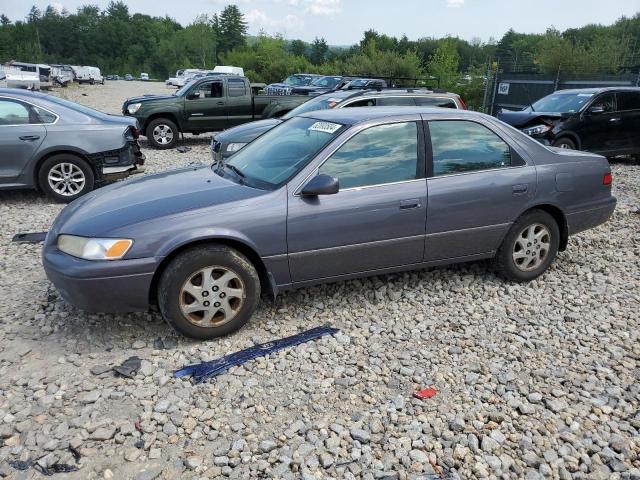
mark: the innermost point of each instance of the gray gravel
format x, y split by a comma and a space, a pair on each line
534, 381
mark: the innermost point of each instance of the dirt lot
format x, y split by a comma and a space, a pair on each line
534, 381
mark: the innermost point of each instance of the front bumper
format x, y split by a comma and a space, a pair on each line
100, 286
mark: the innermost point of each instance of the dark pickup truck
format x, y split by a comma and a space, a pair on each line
207, 104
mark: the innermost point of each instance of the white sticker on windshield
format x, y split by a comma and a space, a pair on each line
325, 127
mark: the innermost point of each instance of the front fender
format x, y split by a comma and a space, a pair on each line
204, 234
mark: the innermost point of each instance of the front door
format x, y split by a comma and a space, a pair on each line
600, 132
376, 220
478, 185
206, 107
20, 137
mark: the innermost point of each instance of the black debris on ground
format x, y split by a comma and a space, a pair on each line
129, 367
33, 237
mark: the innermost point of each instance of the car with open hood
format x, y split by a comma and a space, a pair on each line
600, 120
325, 196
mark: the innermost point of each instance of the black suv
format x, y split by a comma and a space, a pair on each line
599, 120
226, 143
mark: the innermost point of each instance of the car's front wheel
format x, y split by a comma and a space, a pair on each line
208, 291
529, 247
65, 177
565, 143
162, 133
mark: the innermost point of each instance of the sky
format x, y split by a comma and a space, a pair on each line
342, 22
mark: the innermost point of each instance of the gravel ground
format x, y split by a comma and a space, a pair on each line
534, 381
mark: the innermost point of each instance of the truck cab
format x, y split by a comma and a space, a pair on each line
206, 104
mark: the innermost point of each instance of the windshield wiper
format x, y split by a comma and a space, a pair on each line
241, 176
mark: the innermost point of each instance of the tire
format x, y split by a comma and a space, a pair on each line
162, 134
565, 142
514, 261
187, 272
65, 177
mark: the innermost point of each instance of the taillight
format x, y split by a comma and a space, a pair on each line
607, 179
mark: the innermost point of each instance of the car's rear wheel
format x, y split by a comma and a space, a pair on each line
566, 143
65, 177
529, 247
209, 291
162, 133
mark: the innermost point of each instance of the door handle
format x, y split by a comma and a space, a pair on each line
409, 204
520, 188
29, 138
220, 103
616, 119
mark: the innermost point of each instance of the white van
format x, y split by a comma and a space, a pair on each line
86, 74
229, 70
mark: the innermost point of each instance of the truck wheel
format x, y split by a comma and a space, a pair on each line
565, 143
65, 177
162, 133
529, 248
208, 291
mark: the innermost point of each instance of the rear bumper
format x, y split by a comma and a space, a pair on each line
113, 164
110, 287
592, 217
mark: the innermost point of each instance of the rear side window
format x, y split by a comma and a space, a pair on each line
461, 146
375, 156
13, 113
44, 115
368, 102
628, 101
237, 87
396, 102
435, 102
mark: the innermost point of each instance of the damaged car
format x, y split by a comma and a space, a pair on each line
326, 196
62, 148
600, 120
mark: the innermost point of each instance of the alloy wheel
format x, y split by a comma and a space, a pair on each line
212, 296
531, 247
66, 179
163, 134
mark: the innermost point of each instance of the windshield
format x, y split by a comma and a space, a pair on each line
326, 82
183, 90
296, 80
561, 103
273, 158
318, 103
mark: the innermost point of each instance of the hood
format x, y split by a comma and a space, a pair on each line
310, 89
150, 197
521, 119
148, 98
247, 132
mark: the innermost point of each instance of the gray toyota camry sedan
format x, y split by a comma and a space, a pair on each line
325, 196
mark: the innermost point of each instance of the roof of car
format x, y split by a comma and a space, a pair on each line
352, 116
21, 92
385, 92
599, 89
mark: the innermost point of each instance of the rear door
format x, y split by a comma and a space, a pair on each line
239, 105
21, 134
628, 104
206, 107
478, 185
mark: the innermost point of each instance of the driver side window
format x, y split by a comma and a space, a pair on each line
606, 101
210, 90
375, 156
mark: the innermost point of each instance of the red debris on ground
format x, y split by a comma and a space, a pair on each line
425, 393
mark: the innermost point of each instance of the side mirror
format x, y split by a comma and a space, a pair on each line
193, 95
321, 185
596, 110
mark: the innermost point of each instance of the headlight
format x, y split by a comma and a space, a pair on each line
234, 147
94, 248
537, 130
133, 108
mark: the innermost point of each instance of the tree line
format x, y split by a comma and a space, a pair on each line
120, 42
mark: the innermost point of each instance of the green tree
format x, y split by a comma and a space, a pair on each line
319, 50
444, 64
232, 29
298, 48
